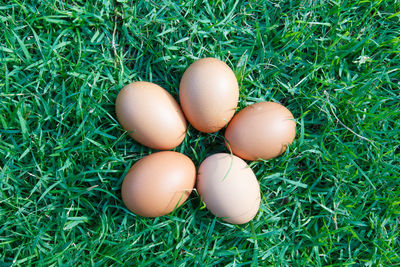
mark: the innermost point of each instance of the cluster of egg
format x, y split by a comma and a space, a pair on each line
159, 183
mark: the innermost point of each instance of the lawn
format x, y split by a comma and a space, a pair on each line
332, 199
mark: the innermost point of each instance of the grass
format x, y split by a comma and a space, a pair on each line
332, 199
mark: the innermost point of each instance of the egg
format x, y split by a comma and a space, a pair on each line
229, 188
158, 183
150, 115
261, 131
209, 94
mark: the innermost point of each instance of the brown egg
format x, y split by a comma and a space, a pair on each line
150, 115
158, 183
229, 188
209, 94
261, 131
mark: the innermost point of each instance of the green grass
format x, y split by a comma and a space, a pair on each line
332, 199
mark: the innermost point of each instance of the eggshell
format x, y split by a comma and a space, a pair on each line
209, 94
158, 183
261, 131
150, 115
229, 188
